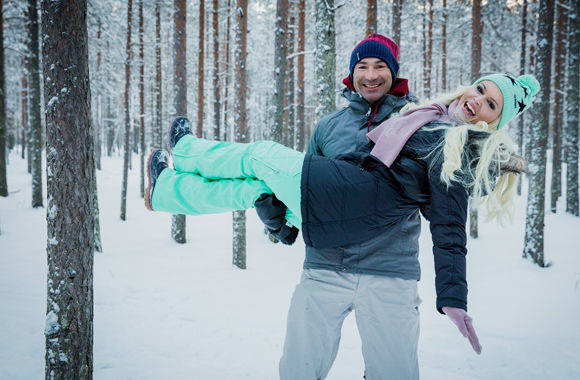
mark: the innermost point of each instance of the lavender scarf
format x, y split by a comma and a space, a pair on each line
392, 134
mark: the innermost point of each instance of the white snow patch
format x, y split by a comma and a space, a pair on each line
52, 325
52, 101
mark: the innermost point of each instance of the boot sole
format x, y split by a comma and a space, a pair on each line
148, 192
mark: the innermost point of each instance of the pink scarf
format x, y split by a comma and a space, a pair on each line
392, 134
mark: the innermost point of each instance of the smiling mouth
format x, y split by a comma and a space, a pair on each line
469, 110
371, 85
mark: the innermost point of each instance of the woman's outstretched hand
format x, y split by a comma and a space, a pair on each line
464, 324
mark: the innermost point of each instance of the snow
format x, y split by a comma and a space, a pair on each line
165, 310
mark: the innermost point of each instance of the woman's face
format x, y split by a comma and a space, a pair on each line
480, 102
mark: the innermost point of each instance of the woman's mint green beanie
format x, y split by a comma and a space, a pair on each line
517, 93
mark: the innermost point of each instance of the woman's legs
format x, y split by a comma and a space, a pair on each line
276, 165
191, 194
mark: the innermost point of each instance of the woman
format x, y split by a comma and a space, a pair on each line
429, 158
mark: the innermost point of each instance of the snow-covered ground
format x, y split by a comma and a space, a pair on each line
170, 311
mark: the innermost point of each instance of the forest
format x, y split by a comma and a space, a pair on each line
86, 86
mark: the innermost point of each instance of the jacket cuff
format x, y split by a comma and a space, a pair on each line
450, 302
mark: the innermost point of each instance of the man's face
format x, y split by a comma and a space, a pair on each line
372, 79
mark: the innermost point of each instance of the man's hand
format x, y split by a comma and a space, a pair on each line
464, 324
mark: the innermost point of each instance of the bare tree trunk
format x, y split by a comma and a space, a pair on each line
157, 125
240, 121
69, 314
521, 122
34, 92
476, 33
141, 102
558, 101
444, 48
573, 114
534, 236
201, 69
98, 111
429, 66
289, 102
127, 152
216, 68
25, 127
3, 179
397, 14
226, 112
371, 17
280, 57
325, 57
180, 92
300, 123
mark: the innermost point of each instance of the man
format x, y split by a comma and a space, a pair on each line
376, 279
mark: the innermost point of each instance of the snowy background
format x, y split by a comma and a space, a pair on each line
164, 310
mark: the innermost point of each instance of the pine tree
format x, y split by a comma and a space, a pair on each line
325, 57
240, 120
397, 15
300, 122
444, 46
34, 97
216, 69
201, 69
141, 103
127, 150
69, 315
280, 57
534, 235
371, 17
3, 180
573, 122
521, 121
180, 92
158, 90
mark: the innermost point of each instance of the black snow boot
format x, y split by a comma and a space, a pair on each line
158, 160
179, 128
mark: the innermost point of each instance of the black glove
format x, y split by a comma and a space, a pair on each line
272, 212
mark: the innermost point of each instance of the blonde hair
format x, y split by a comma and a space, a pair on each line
498, 195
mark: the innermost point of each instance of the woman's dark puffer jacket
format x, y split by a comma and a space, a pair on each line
354, 197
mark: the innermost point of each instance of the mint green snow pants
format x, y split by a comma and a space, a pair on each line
212, 177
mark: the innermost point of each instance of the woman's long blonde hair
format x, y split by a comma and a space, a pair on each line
497, 195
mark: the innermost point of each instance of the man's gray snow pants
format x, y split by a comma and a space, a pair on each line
387, 316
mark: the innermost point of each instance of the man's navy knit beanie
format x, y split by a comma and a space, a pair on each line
377, 46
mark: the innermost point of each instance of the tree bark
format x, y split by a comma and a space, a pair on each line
558, 101
228, 135
157, 139
300, 122
289, 102
34, 96
141, 103
444, 48
201, 69
397, 14
216, 68
127, 151
3, 179
280, 57
325, 57
476, 33
521, 122
69, 315
240, 121
24, 105
534, 235
180, 92
572, 111
371, 17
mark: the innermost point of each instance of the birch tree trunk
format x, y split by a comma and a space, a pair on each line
69, 314
572, 110
180, 92
127, 150
34, 97
141, 104
280, 52
325, 57
534, 235
240, 121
